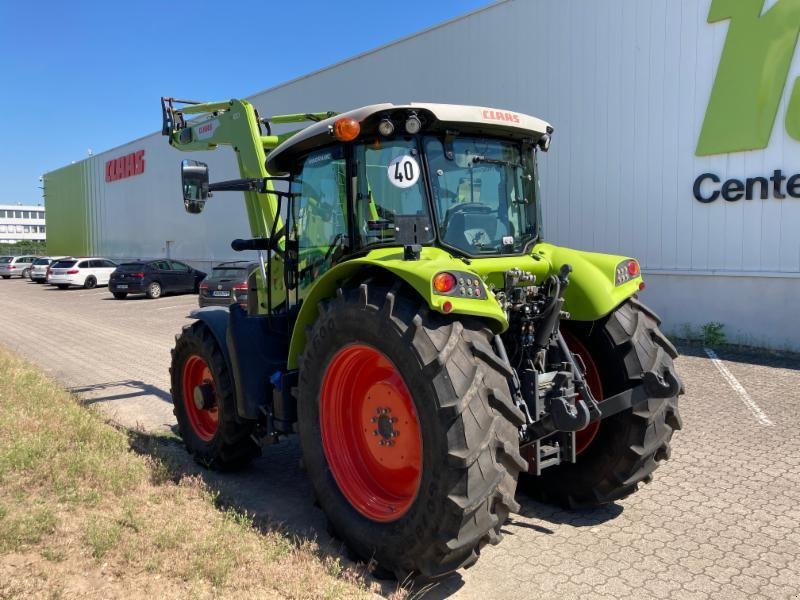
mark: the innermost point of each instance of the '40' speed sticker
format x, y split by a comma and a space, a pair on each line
403, 171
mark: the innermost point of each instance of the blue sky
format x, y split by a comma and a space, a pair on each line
89, 74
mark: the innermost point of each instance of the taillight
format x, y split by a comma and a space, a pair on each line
12, 267
240, 287
626, 270
444, 282
73, 272
139, 275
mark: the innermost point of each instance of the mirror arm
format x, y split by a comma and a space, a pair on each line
237, 185
250, 185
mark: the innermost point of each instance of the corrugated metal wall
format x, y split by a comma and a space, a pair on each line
624, 82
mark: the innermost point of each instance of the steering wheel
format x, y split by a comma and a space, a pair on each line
466, 207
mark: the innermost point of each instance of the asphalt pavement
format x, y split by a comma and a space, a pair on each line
721, 519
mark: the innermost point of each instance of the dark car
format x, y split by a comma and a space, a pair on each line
227, 284
154, 278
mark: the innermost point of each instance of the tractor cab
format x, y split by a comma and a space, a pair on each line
459, 177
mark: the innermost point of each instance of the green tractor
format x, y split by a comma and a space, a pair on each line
411, 325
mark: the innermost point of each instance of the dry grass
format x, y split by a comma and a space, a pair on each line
81, 514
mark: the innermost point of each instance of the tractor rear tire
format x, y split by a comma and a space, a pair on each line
458, 409
207, 416
630, 445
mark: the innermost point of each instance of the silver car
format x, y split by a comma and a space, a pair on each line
41, 266
16, 266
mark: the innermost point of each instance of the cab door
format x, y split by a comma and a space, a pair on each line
317, 224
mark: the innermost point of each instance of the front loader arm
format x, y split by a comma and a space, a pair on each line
233, 123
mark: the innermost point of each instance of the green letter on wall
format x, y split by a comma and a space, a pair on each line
751, 76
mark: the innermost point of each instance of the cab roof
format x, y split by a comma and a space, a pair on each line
435, 118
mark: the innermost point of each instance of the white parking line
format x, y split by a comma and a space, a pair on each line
174, 306
759, 414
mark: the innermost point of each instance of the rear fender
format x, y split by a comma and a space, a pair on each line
592, 292
418, 274
216, 317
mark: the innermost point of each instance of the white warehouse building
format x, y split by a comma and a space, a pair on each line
677, 139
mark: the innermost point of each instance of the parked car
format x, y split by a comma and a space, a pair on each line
40, 267
226, 285
86, 272
154, 278
15, 266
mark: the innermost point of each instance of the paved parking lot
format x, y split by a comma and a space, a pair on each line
720, 520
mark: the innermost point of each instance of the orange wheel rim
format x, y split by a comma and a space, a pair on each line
200, 397
371, 433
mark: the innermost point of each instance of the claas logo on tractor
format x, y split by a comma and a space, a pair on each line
405, 292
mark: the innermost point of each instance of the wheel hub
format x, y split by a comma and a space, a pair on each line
203, 397
385, 429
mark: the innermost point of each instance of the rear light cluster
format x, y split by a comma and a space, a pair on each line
467, 285
626, 270
73, 272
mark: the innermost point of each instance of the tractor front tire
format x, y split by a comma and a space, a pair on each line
204, 402
409, 434
627, 447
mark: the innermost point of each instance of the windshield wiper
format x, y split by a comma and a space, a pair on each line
496, 161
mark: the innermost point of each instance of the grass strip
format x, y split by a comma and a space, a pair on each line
82, 514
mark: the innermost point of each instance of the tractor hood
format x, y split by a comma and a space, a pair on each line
477, 120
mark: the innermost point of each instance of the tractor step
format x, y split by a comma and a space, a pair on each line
549, 452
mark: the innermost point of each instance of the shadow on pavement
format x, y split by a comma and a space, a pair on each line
138, 388
532, 509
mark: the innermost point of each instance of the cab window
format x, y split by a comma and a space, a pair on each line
390, 205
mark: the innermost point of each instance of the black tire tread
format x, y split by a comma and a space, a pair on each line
232, 448
632, 335
475, 412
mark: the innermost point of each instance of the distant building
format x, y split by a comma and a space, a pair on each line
20, 222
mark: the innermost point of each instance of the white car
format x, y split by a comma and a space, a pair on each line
85, 272
40, 267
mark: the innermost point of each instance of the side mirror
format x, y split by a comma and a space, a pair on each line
194, 182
